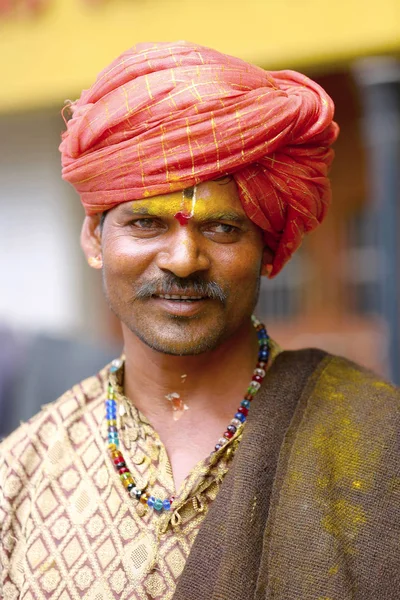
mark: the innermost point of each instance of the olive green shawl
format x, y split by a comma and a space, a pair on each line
310, 509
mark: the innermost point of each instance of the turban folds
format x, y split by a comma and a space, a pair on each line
167, 116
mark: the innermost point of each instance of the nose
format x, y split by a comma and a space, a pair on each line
184, 253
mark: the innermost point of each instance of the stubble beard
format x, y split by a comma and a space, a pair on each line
178, 338
179, 335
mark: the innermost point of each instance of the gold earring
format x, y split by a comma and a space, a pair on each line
95, 261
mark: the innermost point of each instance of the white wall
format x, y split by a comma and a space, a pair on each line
43, 278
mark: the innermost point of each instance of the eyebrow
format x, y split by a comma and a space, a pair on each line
216, 216
142, 210
224, 216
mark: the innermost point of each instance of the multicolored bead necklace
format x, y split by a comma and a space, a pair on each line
238, 420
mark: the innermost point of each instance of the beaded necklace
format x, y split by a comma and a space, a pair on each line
238, 420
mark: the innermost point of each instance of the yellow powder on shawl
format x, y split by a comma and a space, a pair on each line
348, 462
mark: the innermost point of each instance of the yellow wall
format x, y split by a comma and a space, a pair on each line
53, 56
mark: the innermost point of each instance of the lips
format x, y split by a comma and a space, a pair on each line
179, 298
180, 305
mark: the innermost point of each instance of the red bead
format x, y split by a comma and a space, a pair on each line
243, 410
257, 378
123, 470
249, 397
228, 435
260, 327
119, 459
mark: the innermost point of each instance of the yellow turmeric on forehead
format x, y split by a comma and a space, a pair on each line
209, 199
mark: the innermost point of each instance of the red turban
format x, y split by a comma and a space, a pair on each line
167, 116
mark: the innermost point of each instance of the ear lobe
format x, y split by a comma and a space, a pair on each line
91, 238
268, 259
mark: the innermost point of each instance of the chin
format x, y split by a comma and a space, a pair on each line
178, 341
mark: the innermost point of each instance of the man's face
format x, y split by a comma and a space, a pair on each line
182, 286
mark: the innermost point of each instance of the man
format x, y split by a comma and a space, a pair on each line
205, 463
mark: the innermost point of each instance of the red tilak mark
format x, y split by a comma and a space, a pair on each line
182, 218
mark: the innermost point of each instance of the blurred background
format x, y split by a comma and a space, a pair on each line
340, 292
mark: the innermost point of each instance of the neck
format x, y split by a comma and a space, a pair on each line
211, 385
204, 382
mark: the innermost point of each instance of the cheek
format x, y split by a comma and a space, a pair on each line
240, 268
122, 255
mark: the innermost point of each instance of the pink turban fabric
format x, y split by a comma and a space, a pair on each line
167, 116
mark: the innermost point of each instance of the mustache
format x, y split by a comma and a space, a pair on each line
187, 285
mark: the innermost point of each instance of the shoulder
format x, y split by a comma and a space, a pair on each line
340, 379
345, 410
59, 428
351, 417
70, 407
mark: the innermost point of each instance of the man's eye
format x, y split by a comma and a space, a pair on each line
223, 228
144, 223
222, 233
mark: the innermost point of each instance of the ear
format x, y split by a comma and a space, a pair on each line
268, 259
91, 241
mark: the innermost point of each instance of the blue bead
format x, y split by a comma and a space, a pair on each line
167, 505
241, 417
113, 369
111, 403
150, 501
158, 505
245, 403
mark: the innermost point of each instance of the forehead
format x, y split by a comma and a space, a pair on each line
208, 198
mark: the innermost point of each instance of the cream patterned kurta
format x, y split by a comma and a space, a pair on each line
68, 527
